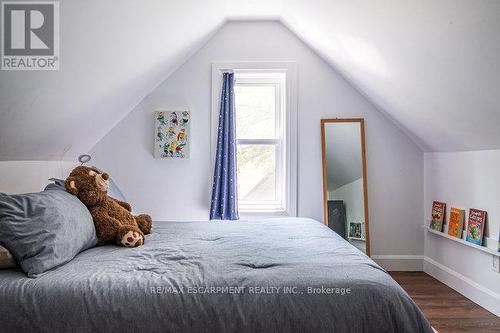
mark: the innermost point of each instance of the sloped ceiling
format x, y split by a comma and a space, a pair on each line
432, 66
113, 53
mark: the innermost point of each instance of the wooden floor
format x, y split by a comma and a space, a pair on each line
446, 309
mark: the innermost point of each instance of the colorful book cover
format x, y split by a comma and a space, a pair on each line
456, 222
475, 226
438, 212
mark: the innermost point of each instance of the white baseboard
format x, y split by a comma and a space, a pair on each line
407, 263
477, 293
485, 297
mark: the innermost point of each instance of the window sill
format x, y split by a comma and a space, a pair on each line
248, 215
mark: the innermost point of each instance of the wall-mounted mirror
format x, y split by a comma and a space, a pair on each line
345, 193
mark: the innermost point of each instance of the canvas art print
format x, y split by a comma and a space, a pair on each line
356, 230
172, 134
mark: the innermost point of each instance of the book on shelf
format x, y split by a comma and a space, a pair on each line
437, 216
475, 226
456, 222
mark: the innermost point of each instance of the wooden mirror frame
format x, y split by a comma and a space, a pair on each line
361, 122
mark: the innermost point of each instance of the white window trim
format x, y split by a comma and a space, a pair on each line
290, 68
278, 80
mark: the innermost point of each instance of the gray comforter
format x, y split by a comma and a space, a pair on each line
277, 275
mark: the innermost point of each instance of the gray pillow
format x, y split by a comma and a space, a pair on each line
45, 230
6, 259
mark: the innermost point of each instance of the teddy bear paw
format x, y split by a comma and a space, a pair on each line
144, 223
132, 239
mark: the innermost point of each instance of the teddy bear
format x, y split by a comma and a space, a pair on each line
112, 218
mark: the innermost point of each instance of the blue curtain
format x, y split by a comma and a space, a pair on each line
224, 205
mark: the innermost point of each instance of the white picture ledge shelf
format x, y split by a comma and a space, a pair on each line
463, 242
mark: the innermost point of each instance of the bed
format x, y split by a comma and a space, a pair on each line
275, 275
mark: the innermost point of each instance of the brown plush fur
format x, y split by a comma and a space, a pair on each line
112, 218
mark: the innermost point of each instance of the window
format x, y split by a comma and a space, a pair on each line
266, 125
260, 102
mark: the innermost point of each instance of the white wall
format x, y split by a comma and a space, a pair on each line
465, 180
31, 176
179, 189
352, 195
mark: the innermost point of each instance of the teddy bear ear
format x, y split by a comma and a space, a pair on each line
70, 186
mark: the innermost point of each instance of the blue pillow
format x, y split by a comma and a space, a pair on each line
113, 190
45, 230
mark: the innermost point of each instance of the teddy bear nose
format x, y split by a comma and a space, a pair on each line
105, 176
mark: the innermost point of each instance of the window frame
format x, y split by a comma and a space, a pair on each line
278, 81
265, 72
